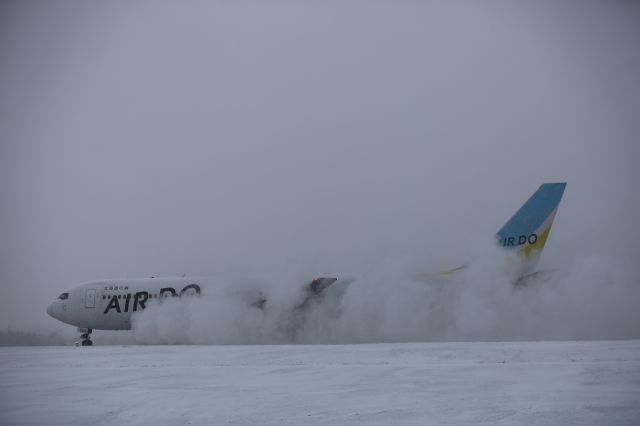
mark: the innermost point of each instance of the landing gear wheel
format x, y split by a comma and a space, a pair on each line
85, 336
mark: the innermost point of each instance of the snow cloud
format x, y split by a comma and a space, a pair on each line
588, 297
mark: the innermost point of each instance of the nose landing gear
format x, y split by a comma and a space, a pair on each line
85, 337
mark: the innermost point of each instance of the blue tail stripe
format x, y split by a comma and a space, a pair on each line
534, 212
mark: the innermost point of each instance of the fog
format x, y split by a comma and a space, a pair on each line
283, 140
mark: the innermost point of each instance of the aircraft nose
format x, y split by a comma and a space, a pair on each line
51, 310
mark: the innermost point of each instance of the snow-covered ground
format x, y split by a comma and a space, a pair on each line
564, 383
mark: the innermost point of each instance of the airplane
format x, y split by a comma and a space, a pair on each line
110, 304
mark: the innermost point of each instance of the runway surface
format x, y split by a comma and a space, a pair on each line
530, 383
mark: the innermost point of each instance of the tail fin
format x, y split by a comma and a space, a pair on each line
527, 231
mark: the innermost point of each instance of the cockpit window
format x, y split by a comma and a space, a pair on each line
63, 296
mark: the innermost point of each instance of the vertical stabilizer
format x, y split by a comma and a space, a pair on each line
527, 230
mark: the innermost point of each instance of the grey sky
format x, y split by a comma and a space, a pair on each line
161, 138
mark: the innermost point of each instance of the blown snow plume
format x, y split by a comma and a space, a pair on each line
590, 297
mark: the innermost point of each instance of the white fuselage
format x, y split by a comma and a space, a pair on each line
109, 305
